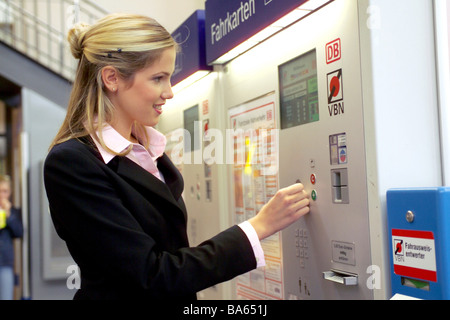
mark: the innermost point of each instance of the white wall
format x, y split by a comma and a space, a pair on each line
401, 108
442, 36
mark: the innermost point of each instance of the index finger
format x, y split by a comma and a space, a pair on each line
295, 188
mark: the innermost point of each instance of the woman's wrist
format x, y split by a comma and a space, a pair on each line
259, 227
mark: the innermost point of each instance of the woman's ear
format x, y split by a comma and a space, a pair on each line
110, 78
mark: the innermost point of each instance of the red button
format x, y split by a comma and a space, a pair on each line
313, 178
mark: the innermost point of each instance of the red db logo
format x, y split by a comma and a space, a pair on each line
333, 51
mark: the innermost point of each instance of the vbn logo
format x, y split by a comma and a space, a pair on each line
333, 51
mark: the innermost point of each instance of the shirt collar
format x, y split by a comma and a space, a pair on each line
117, 143
157, 144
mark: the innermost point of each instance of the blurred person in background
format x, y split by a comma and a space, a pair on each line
10, 227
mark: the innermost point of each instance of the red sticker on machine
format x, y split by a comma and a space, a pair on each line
414, 254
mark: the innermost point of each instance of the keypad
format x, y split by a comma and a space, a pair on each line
301, 245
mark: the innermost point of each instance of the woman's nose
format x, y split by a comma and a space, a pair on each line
168, 93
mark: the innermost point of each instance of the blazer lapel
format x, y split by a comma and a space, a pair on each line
169, 191
172, 177
135, 174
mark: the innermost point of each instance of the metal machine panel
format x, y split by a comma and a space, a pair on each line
317, 81
326, 253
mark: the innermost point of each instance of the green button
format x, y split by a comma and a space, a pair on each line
314, 195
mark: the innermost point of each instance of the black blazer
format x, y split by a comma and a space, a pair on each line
126, 230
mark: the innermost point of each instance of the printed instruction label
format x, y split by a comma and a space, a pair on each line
343, 252
255, 182
414, 254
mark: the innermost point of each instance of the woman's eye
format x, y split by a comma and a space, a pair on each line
157, 79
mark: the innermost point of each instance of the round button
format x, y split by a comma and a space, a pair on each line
410, 216
313, 178
314, 195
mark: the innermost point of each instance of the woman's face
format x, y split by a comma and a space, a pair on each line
5, 191
142, 101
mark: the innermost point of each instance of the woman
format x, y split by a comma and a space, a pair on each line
10, 228
115, 197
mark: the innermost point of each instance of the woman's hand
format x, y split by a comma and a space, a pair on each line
287, 206
6, 205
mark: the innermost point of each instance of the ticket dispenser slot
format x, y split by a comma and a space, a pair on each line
339, 186
345, 278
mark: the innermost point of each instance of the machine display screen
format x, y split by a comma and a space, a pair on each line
191, 118
298, 91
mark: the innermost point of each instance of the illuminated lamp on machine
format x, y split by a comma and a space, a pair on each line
290, 18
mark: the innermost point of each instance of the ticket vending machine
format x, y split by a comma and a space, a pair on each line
334, 87
327, 253
345, 133
329, 128
317, 95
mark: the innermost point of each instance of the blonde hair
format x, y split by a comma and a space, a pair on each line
127, 42
5, 178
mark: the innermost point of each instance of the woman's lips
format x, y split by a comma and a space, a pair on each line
158, 108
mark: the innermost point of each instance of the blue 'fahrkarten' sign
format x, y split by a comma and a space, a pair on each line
230, 22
